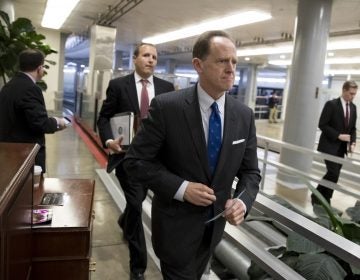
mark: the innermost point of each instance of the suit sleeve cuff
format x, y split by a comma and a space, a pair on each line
243, 204
179, 195
107, 142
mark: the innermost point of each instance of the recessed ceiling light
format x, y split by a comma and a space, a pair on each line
283, 48
261, 50
224, 22
282, 56
331, 54
247, 58
329, 61
57, 12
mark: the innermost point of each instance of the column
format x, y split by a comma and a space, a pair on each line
118, 60
59, 93
306, 75
250, 92
131, 53
170, 65
247, 85
102, 50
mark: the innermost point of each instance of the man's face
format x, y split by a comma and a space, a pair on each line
40, 72
217, 70
146, 61
349, 94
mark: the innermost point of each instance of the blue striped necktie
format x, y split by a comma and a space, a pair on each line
214, 137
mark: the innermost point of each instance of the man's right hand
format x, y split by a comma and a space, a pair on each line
199, 194
115, 145
60, 123
344, 137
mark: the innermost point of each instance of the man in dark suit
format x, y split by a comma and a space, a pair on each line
338, 134
189, 151
126, 94
23, 115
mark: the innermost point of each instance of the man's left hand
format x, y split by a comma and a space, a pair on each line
235, 211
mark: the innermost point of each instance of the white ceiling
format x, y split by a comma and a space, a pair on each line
150, 17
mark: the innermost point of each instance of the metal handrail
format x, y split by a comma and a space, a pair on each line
269, 143
332, 242
307, 151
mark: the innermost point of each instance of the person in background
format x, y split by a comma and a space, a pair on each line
188, 152
132, 93
23, 115
273, 103
338, 134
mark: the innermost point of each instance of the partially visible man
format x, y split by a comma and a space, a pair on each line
132, 93
23, 115
189, 151
273, 103
338, 134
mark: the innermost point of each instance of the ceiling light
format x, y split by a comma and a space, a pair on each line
280, 62
282, 56
331, 54
334, 72
343, 44
224, 22
329, 61
271, 80
247, 58
284, 48
344, 60
56, 13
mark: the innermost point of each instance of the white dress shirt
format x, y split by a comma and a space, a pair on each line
149, 86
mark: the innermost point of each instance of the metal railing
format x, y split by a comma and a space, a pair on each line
269, 144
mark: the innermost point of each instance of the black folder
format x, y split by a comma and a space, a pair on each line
113, 161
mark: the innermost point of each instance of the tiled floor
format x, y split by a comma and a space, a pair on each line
69, 157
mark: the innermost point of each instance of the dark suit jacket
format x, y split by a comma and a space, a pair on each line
23, 116
170, 148
121, 96
332, 123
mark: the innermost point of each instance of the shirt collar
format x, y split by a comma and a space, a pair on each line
206, 100
138, 78
31, 77
343, 102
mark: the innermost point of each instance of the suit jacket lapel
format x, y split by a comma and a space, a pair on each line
352, 114
132, 92
193, 118
157, 85
228, 134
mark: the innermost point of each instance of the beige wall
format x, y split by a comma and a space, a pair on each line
52, 78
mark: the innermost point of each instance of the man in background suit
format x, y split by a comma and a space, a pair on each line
124, 94
23, 115
172, 156
338, 134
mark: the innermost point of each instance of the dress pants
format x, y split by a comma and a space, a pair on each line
332, 174
131, 221
196, 266
273, 115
